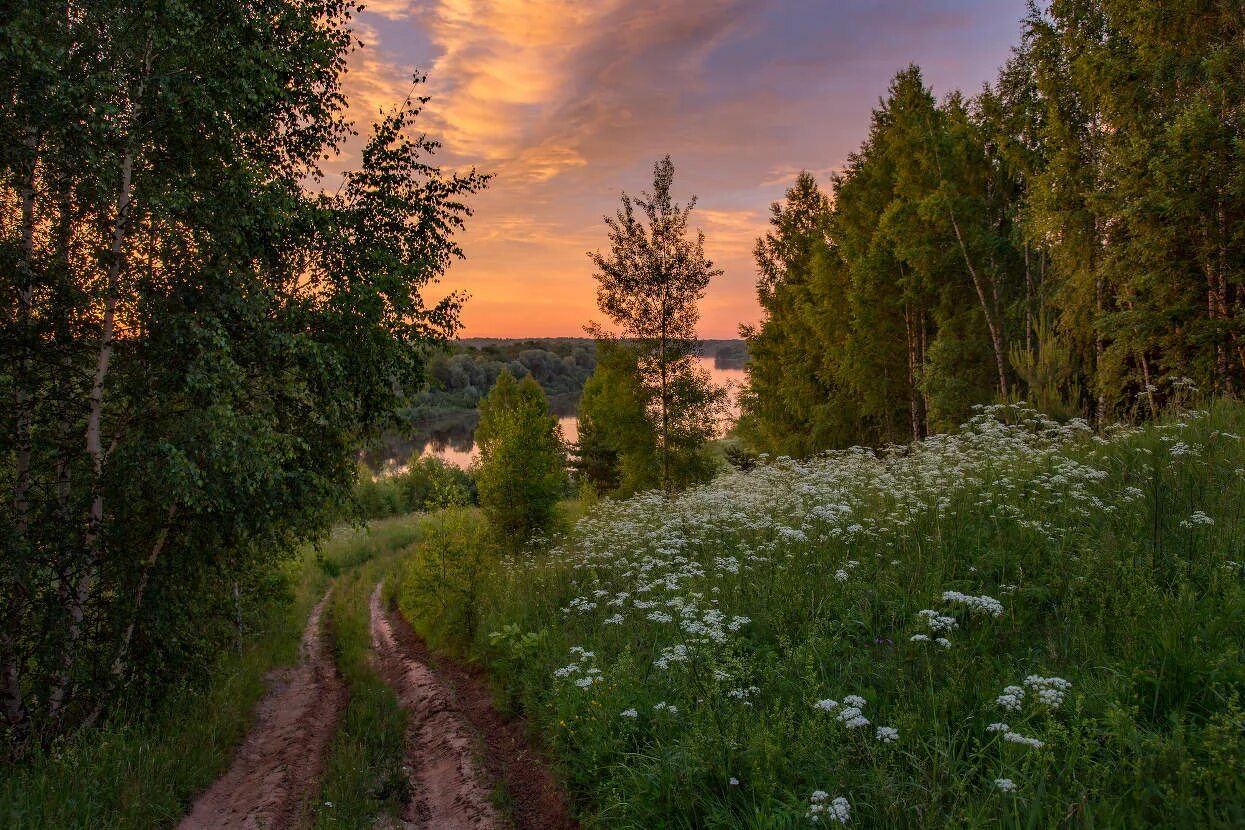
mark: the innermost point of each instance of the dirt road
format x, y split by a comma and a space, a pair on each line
278, 766
440, 751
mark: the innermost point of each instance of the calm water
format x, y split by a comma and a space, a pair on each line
453, 441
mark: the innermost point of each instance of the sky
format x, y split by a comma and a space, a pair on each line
568, 103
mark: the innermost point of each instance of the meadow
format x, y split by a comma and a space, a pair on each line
1021, 624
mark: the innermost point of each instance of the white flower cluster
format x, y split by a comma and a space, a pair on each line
936, 621
1198, 519
1006, 785
1017, 738
743, 693
835, 810
850, 714
676, 653
579, 665
1012, 699
887, 734
1050, 690
978, 605
1014, 737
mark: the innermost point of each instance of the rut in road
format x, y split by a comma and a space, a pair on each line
278, 766
448, 792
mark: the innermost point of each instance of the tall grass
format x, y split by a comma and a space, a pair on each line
848, 628
365, 780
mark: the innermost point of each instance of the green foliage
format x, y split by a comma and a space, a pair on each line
1071, 235
521, 474
649, 285
444, 577
670, 645
617, 448
427, 483
200, 342
461, 375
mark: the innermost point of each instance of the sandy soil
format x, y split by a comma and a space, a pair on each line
457, 738
278, 766
449, 793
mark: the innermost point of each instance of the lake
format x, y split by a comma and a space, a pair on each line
453, 439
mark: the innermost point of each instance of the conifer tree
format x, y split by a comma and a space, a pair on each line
650, 284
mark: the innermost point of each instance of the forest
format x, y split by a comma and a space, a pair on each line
964, 551
1070, 235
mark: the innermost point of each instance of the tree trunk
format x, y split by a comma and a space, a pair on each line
85, 581
15, 710
994, 327
123, 650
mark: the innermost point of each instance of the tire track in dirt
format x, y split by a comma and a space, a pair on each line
453, 724
278, 766
448, 792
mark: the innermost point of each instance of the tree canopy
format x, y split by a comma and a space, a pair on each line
197, 338
1072, 235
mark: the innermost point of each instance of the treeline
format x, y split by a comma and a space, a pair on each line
462, 374
1073, 235
459, 378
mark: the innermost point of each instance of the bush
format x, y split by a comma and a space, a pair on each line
445, 576
522, 470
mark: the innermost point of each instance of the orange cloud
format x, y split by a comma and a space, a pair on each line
568, 102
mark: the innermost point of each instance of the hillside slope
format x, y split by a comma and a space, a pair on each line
1022, 624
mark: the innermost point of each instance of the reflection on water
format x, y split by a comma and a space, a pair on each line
453, 439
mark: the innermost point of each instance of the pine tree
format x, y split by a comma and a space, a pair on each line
650, 284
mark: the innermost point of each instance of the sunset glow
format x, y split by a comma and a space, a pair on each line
569, 103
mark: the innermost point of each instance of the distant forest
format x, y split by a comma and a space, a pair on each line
459, 377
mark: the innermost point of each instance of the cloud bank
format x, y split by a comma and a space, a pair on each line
569, 103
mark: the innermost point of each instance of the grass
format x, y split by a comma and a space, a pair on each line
141, 771
364, 779
692, 660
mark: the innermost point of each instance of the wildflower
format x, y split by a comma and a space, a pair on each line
998, 727
851, 717
1006, 785
887, 734
854, 700
840, 575
734, 782
1198, 519
1012, 698
819, 804
1017, 738
981, 604
1050, 690
617, 619
943, 641
826, 705
630, 713
919, 638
